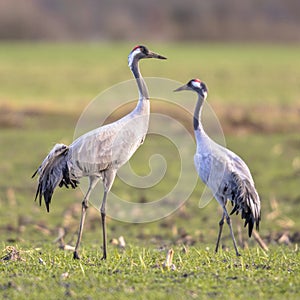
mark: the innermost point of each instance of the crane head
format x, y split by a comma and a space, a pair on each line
195, 85
140, 52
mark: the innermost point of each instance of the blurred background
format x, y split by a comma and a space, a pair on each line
57, 55
215, 20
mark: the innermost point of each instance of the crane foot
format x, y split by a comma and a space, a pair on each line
76, 255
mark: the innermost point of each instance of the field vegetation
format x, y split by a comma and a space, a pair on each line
253, 89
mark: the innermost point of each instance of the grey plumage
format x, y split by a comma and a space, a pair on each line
224, 172
99, 153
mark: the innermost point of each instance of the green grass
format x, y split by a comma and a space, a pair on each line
139, 273
44, 89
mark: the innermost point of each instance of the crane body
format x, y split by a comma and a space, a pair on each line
224, 172
99, 153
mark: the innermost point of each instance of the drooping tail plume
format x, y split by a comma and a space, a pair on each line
52, 172
246, 201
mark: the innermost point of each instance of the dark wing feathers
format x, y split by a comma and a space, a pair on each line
52, 172
246, 201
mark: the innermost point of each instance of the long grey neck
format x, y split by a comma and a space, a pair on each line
197, 114
143, 91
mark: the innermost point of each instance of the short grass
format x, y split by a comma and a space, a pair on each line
139, 273
45, 88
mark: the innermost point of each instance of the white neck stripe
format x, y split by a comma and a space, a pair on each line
132, 55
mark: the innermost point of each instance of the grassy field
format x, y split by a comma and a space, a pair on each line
138, 273
254, 90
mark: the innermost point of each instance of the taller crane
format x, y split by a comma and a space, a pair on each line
99, 153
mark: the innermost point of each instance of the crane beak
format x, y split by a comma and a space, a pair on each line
155, 55
182, 88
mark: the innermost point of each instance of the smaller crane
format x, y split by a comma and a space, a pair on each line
100, 153
224, 172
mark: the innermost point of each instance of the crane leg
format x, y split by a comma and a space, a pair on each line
103, 215
108, 181
83, 214
93, 182
228, 220
220, 232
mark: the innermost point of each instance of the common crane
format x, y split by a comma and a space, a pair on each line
99, 153
224, 172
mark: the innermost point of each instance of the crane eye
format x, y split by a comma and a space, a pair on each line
144, 50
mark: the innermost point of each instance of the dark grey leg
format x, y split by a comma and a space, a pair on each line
220, 232
228, 220
103, 215
93, 182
